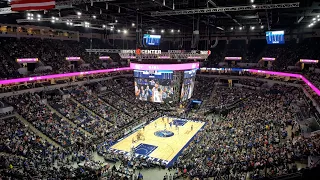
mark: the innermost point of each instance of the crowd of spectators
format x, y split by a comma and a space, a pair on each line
248, 139
31, 107
81, 116
51, 53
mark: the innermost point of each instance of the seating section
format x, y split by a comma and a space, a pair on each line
40, 116
82, 117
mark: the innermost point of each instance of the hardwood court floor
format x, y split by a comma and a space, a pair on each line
166, 147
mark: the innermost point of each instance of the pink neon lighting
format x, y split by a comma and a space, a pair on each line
268, 59
104, 57
27, 60
73, 58
53, 76
233, 58
173, 67
309, 61
315, 89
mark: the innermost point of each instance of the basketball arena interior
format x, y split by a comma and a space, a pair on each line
159, 90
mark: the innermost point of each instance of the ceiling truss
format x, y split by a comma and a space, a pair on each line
225, 9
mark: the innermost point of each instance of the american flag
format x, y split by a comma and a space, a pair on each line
24, 5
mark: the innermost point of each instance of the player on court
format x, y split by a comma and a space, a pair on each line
155, 125
191, 127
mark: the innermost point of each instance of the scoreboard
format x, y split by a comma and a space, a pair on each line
275, 37
163, 74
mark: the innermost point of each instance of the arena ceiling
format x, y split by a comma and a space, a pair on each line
171, 14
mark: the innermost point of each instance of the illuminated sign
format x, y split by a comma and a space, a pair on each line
27, 60
268, 59
309, 61
104, 57
233, 58
73, 58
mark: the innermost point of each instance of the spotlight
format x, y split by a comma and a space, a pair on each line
118, 30
28, 14
231, 28
125, 31
94, 17
104, 26
133, 24
152, 30
172, 30
162, 30
79, 13
39, 16
178, 30
261, 27
318, 16
57, 19
252, 27
38, 19
29, 18
53, 21
116, 21
252, 1
240, 28
254, 6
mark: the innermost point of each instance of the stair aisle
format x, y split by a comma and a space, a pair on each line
70, 122
32, 128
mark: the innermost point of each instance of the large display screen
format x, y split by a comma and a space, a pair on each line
152, 40
187, 89
163, 74
275, 37
154, 90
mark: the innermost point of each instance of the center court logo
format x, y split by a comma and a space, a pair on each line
163, 133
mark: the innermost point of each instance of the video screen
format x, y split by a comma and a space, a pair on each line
154, 90
161, 74
187, 89
190, 74
275, 37
152, 40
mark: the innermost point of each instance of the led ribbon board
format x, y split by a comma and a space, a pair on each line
55, 76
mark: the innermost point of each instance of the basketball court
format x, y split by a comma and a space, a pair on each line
159, 140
